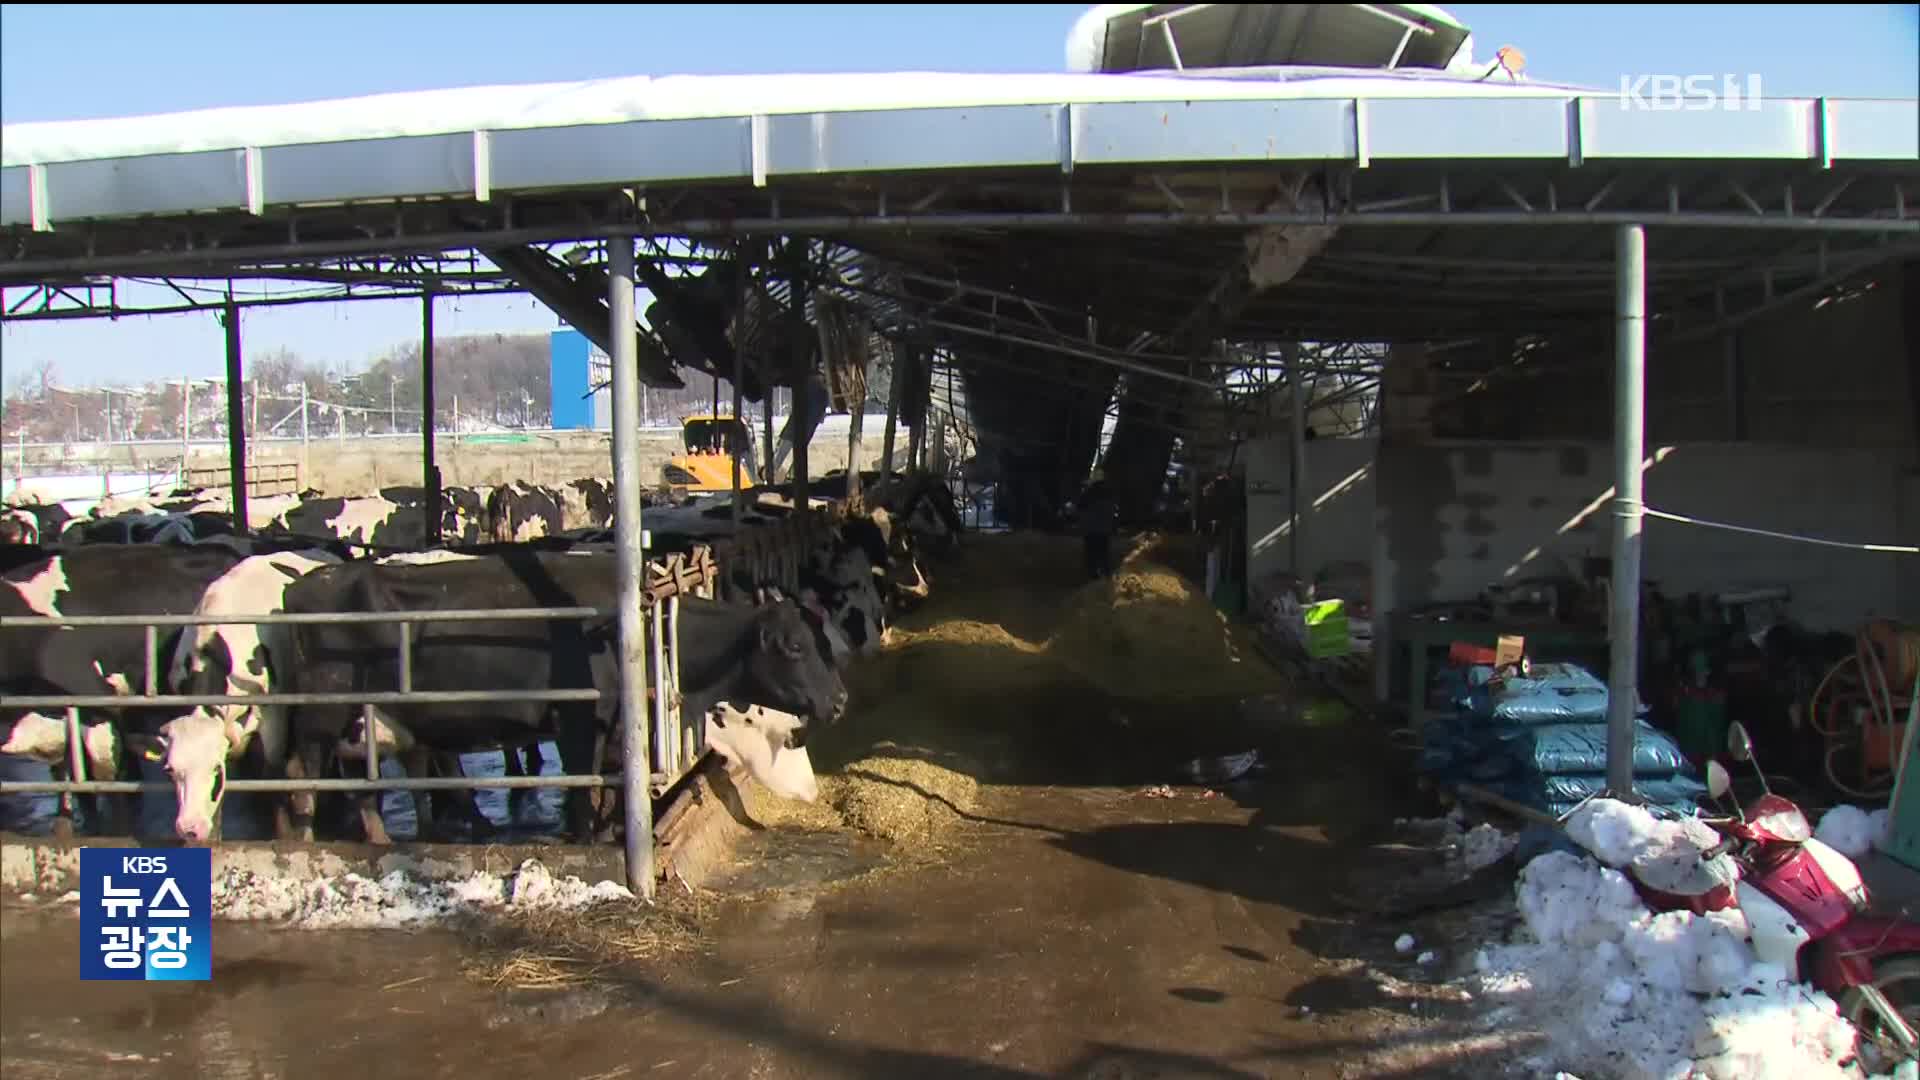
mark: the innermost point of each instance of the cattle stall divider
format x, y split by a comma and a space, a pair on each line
672, 758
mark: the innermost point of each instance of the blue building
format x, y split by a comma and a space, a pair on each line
577, 367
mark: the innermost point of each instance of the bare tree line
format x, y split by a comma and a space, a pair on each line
489, 381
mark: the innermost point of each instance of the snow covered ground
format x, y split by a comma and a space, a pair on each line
352, 902
1616, 991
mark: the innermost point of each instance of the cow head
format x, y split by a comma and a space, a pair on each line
761, 740
19, 527
846, 589
194, 749
785, 668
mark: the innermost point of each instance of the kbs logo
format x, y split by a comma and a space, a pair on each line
1690, 93
146, 914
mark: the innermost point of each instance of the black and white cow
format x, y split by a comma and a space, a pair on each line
587, 503
19, 526
518, 512
375, 521
33, 523
142, 526
463, 510
853, 577
106, 579
232, 659
920, 502
737, 653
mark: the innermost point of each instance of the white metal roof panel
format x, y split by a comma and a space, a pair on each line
678, 97
634, 132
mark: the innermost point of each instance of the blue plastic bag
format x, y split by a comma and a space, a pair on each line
1679, 793
1553, 749
1551, 694
1554, 677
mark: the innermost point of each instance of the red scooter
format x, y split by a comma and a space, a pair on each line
1807, 910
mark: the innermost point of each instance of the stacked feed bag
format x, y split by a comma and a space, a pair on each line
1541, 740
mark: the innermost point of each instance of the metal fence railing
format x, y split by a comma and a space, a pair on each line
673, 749
264, 478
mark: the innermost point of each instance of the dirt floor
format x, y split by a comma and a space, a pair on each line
1069, 916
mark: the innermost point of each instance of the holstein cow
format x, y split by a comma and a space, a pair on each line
129, 527
921, 502
109, 579
587, 503
417, 759
518, 512
368, 522
33, 523
19, 527
463, 510
760, 740
851, 578
728, 652
231, 659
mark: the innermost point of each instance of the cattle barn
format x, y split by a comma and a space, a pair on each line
1141, 268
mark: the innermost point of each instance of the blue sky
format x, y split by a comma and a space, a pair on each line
76, 62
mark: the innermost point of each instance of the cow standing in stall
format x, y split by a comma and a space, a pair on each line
734, 653
518, 512
106, 579
233, 659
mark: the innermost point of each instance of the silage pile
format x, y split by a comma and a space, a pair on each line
1149, 633
905, 795
1146, 633
1620, 992
1010, 655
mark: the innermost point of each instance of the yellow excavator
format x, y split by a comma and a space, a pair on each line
712, 442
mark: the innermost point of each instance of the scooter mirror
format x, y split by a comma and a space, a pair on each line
1718, 782
1738, 744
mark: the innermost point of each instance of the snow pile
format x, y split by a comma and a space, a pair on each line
353, 902
1665, 852
1618, 991
1467, 850
1852, 831
1482, 846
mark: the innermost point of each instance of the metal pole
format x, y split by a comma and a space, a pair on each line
739, 376
186, 429
917, 435
1629, 408
797, 322
429, 470
661, 697
893, 411
1299, 455
766, 477
857, 413
236, 420
626, 521
306, 463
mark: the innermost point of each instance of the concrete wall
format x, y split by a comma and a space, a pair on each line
1443, 521
1340, 489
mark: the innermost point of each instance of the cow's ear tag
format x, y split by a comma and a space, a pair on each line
152, 754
